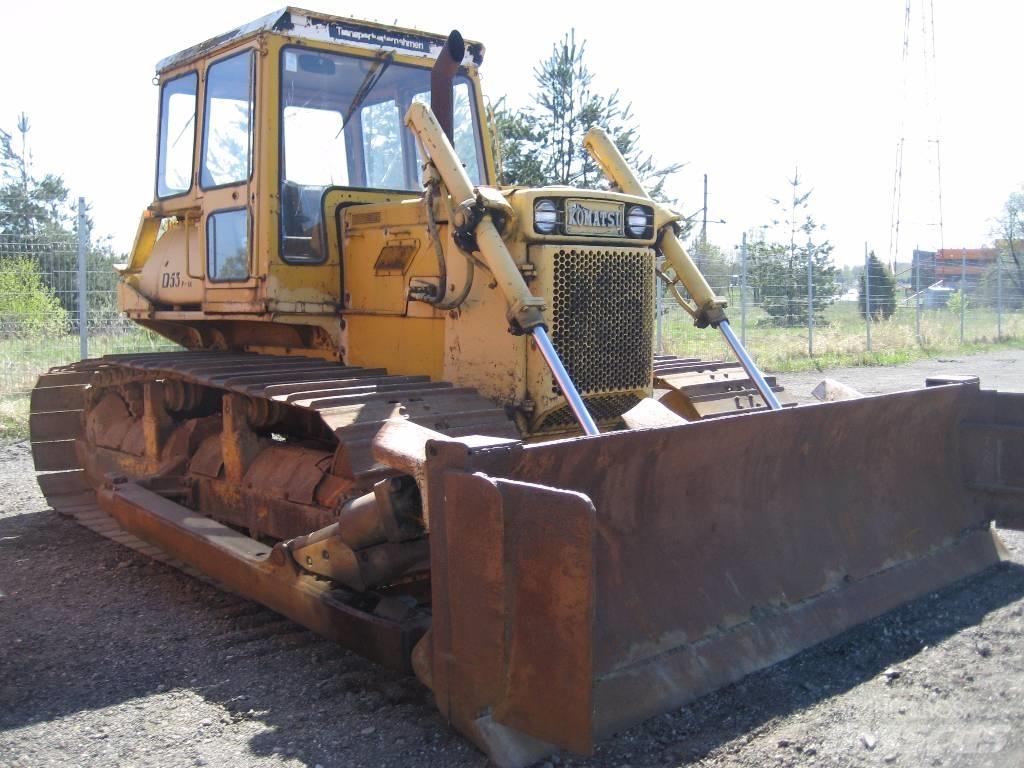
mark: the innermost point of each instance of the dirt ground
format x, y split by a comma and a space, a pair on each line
107, 658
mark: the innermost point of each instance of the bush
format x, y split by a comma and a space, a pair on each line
28, 308
958, 302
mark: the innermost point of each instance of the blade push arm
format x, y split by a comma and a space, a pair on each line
474, 220
709, 309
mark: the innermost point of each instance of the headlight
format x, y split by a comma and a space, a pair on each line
636, 221
545, 216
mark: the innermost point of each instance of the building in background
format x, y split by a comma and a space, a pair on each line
951, 266
936, 274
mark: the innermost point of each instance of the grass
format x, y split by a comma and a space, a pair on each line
14, 417
842, 339
839, 342
23, 359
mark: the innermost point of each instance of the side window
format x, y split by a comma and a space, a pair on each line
227, 129
465, 131
382, 146
465, 144
177, 136
227, 245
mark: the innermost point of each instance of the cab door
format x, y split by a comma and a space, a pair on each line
228, 186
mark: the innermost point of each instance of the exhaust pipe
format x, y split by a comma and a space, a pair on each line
441, 78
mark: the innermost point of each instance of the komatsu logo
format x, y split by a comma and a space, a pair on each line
584, 216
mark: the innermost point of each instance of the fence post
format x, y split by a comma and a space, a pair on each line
743, 290
83, 311
999, 297
810, 301
867, 295
963, 291
917, 295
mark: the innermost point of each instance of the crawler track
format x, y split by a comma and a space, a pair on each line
346, 402
57, 408
351, 402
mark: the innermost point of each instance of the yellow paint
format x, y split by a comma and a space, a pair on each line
615, 167
367, 231
359, 303
403, 345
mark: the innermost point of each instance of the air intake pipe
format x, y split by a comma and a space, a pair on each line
441, 79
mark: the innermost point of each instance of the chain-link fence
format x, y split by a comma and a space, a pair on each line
42, 281
943, 302
953, 302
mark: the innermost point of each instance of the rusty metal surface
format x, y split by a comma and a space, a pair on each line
721, 546
251, 569
512, 580
577, 586
58, 401
993, 457
352, 402
702, 389
783, 506
105, 418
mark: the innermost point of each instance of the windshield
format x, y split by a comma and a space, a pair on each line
342, 126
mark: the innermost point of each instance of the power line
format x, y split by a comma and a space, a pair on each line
897, 182
928, 91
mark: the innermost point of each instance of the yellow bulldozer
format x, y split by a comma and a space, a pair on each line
421, 413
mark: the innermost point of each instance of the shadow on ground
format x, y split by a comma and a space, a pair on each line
87, 625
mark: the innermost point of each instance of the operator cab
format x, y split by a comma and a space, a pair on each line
301, 103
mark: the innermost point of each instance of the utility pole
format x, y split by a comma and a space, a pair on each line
704, 221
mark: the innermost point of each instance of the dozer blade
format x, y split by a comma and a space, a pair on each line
583, 585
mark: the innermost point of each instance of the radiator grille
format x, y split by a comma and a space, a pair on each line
603, 317
604, 409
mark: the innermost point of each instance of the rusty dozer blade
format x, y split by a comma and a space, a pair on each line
583, 585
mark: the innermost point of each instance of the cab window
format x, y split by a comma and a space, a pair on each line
227, 129
227, 245
177, 135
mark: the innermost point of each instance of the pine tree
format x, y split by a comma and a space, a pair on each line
39, 227
543, 143
882, 290
778, 268
29, 206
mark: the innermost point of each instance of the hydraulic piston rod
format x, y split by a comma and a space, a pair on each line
708, 306
748, 365
572, 397
524, 309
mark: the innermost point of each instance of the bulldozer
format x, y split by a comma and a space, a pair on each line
421, 413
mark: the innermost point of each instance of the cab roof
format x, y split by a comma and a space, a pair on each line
308, 25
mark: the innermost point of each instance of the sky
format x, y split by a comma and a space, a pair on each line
745, 92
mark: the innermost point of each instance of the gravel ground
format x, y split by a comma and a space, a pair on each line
1002, 370
107, 658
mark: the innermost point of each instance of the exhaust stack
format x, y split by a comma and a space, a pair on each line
441, 77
